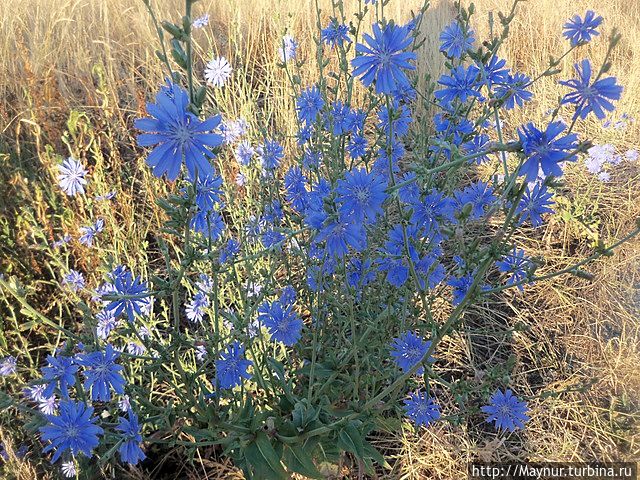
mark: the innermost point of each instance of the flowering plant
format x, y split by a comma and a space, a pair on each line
301, 306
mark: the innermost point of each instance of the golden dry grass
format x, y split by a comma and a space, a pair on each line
97, 56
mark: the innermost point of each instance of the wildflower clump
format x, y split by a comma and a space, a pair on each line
301, 287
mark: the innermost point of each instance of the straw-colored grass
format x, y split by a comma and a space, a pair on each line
97, 57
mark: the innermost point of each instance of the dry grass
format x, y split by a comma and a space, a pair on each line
97, 56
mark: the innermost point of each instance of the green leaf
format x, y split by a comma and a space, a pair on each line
264, 460
371, 452
350, 440
298, 460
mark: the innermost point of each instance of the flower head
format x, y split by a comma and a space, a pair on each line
361, 195
590, 97
270, 153
102, 373
506, 411
107, 322
129, 450
516, 264
383, 60
513, 90
177, 133
244, 153
201, 22
69, 469
232, 367
534, 203
196, 308
408, 350
217, 71
309, 104
135, 295
71, 178
283, 323
578, 30
455, 41
73, 429
88, 233
74, 280
421, 409
8, 366
462, 84
461, 287
60, 372
335, 34
545, 150
340, 234
288, 48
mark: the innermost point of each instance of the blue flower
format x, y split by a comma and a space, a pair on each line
129, 449
283, 323
394, 260
177, 134
338, 118
381, 165
361, 195
8, 366
272, 238
244, 153
506, 411
309, 104
88, 233
71, 178
400, 120
354, 121
295, 185
73, 429
513, 91
229, 251
591, 97
434, 207
340, 234
335, 34
288, 296
455, 41
408, 350
210, 224
545, 150
384, 59
270, 153
516, 264
404, 93
232, 367
196, 308
479, 195
579, 31
462, 84
102, 373
534, 204
208, 192
360, 273
319, 275
421, 409
311, 160
494, 71
461, 287
357, 146
273, 212
60, 373
74, 279
288, 48
477, 146
137, 296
